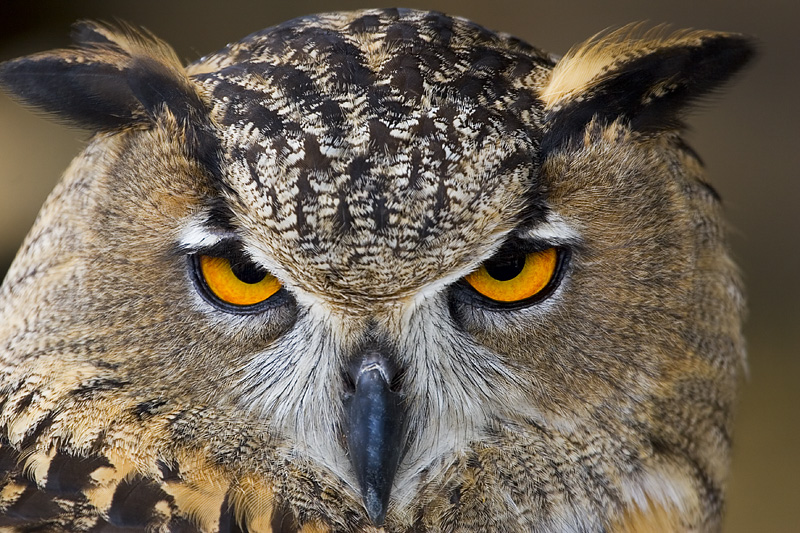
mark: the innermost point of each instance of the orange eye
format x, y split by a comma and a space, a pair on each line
237, 284
515, 278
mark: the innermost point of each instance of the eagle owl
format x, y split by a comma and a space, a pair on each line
373, 271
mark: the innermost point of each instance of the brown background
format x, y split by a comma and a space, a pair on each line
748, 139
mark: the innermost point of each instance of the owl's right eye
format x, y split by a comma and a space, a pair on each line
233, 282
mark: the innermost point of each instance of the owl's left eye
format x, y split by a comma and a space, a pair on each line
233, 282
514, 278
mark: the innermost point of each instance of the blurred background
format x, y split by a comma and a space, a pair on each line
749, 139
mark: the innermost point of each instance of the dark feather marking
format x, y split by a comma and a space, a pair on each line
92, 387
487, 62
104, 527
402, 33
9, 457
269, 41
24, 403
388, 105
7, 520
106, 365
70, 475
99, 442
149, 408
181, 525
33, 504
359, 168
227, 519
406, 76
365, 24
348, 64
314, 159
467, 86
296, 83
134, 503
242, 155
343, 218
415, 178
381, 212
35, 432
521, 68
393, 13
380, 138
332, 116
455, 496
283, 520
7, 390
169, 472
176, 525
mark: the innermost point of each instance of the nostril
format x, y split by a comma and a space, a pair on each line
373, 360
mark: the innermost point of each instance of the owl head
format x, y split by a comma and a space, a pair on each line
439, 272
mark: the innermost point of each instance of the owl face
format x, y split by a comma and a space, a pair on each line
394, 244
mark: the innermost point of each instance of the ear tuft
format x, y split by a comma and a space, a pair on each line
588, 63
646, 78
112, 77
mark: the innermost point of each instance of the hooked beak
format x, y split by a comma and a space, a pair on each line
374, 426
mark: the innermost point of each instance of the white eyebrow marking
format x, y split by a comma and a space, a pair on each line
554, 230
196, 235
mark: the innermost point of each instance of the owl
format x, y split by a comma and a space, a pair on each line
384, 270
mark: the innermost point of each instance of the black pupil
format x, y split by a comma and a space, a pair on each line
505, 268
247, 271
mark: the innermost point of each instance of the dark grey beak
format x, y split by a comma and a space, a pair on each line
374, 426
